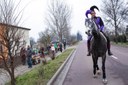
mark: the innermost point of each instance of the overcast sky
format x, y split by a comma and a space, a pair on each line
35, 12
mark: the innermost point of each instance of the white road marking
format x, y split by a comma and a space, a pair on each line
113, 57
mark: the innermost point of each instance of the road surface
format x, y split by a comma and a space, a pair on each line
81, 71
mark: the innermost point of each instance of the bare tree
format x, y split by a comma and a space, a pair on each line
11, 37
73, 40
58, 19
117, 11
32, 41
45, 37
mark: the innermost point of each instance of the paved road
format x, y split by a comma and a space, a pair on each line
80, 72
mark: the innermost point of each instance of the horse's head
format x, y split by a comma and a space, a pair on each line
92, 26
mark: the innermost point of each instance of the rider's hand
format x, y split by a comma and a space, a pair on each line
86, 32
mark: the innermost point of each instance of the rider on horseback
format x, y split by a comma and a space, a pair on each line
100, 25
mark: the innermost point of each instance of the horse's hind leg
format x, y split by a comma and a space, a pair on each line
103, 69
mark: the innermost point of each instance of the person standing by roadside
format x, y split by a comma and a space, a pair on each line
42, 55
23, 55
53, 51
55, 45
61, 49
64, 43
29, 57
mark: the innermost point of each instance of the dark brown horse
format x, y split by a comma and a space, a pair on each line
98, 48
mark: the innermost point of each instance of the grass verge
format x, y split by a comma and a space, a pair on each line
43, 73
120, 43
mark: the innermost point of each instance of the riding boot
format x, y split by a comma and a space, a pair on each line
89, 54
88, 45
108, 46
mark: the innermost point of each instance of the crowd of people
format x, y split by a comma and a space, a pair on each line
33, 56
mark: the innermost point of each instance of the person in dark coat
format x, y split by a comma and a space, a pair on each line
64, 44
60, 47
23, 55
29, 57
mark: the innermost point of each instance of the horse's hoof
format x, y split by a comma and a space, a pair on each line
105, 81
95, 76
98, 72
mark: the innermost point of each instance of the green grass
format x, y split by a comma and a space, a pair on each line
43, 73
120, 43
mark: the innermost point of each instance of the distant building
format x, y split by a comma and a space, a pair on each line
24, 38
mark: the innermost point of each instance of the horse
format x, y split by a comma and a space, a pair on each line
98, 48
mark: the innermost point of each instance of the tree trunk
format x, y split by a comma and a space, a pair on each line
13, 81
60, 36
116, 35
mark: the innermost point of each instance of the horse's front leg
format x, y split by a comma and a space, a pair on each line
103, 69
94, 66
97, 67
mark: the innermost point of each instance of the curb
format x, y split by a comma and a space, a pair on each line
59, 70
61, 82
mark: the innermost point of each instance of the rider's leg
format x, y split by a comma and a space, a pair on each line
88, 45
108, 44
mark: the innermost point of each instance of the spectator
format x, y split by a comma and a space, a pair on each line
53, 51
42, 55
61, 47
64, 45
55, 45
48, 48
29, 57
23, 55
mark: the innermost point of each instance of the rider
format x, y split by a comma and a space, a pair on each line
100, 24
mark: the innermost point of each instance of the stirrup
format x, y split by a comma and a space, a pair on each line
110, 53
89, 54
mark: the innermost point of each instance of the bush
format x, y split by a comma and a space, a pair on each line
119, 38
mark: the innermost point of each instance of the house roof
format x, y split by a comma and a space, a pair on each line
14, 26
